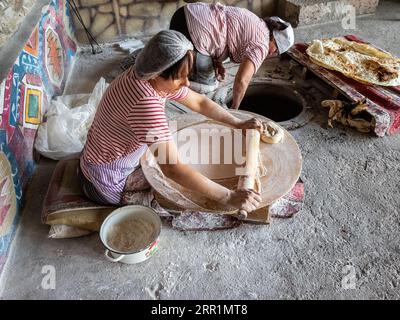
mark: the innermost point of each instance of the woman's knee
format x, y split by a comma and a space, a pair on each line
136, 181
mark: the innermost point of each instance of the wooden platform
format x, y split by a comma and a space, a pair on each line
282, 161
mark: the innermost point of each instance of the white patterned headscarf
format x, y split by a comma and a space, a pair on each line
284, 38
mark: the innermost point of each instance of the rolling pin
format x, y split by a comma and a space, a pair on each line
247, 180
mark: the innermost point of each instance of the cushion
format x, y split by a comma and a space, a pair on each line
65, 203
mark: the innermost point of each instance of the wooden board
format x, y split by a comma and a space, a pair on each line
282, 161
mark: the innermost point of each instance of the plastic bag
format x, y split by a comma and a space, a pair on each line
69, 118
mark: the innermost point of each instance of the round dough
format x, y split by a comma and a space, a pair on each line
272, 133
282, 160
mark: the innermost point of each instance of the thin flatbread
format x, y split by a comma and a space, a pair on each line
358, 61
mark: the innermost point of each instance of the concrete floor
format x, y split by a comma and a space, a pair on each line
344, 244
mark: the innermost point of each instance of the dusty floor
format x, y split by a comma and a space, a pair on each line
345, 244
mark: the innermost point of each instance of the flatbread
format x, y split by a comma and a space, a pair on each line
358, 61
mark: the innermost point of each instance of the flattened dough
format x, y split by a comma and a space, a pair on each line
361, 62
272, 133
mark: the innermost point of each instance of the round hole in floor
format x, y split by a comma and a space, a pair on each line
276, 102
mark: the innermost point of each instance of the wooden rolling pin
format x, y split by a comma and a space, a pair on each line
247, 180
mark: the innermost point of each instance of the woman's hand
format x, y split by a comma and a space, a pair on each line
252, 123
220, 71
247, 200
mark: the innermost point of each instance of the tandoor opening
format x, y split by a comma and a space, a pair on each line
278, 103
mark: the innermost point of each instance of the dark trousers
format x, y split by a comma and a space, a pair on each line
89, 189
203, 68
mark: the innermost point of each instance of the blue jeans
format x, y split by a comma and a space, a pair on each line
203, 69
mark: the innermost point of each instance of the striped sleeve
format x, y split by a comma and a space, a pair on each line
256, 53
149, 122
179, 95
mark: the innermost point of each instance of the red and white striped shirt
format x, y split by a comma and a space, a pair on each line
222, 31
130, 116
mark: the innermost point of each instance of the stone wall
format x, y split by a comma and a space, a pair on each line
312, 12
110, 20
39, 72
12, 12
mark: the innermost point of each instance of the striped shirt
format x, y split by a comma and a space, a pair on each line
222, 31
130, 116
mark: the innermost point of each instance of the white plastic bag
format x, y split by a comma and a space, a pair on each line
69, 118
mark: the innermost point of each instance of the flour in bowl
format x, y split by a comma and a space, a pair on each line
131, 235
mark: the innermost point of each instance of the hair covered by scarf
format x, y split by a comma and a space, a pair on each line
162, 51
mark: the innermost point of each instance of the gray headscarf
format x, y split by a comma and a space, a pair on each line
162, 51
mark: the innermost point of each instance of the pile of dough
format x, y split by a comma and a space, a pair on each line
272, 133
